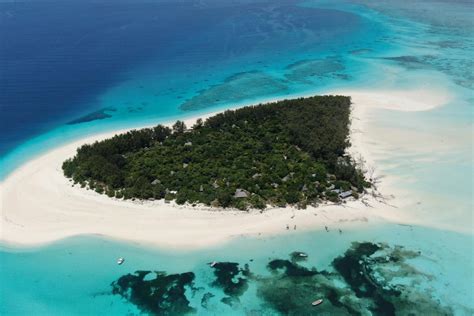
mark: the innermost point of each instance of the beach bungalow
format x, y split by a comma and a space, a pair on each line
288, 177
240, 193
345, 194
168, 191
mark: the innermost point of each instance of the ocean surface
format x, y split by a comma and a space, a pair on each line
73, 68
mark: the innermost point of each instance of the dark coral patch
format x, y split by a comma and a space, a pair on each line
410, 62
368, 268
291, 269
205, 299
362, 281
367, 278
97, 115
163, 295
230, 278
353, 268
292, 287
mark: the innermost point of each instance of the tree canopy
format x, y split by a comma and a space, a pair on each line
287, 152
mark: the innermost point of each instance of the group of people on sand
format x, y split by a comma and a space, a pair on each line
288, 227
325, 227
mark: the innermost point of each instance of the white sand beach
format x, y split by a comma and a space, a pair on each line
39, 205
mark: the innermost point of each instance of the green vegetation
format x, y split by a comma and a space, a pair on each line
288, 152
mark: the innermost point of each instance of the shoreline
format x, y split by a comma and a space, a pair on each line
40, 206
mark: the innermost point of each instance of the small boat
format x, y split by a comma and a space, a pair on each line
120, 260
212, 264
302, 254
317, 302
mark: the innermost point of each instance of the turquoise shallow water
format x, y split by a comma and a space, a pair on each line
276, 55
74, 276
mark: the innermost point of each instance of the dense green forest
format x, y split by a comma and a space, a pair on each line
288, 152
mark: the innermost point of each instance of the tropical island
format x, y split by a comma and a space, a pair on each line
291, 152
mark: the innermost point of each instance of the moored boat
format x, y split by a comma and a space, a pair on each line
317, 302
120, 260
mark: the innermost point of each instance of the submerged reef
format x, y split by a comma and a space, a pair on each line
245, 85
306, 70
409, 62
162, 295
368, 273
252, 84
93, 116
230, 278
458, 69
360, 51
368, 279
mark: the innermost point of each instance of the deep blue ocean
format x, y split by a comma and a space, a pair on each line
129, 61
74, 68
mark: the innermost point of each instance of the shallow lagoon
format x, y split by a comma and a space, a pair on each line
356, 47
75, 276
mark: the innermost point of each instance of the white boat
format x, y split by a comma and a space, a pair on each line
303, 254
317, 302
120, 260
212, 264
